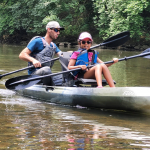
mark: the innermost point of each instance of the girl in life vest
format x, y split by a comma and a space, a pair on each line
84, 57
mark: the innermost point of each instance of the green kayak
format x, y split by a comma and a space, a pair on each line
119, 98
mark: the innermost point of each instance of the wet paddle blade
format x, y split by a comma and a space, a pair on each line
117, 40
23, 84
146, 51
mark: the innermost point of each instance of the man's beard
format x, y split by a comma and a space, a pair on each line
52, 37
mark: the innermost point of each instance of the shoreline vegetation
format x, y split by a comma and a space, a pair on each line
22, 20
128, 46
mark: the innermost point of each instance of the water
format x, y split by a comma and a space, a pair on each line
31, 124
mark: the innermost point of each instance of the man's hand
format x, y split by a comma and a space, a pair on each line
36, 63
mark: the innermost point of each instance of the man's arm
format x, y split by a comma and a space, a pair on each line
60, 53
25, 55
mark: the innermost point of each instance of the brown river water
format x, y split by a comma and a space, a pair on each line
29, 124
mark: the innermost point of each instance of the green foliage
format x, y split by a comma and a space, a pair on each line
30, 17
76, 16
100, 17
114, 16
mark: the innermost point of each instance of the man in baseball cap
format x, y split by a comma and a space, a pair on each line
54, 24
41, 49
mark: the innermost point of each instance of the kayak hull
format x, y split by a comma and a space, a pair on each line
120, 98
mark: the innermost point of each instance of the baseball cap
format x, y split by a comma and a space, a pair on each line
85, 35
54, 24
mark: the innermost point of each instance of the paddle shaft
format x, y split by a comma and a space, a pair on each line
26, 68
41, 77
130, 57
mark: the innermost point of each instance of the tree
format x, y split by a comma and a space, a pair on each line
30, 17
114, 16
20, 20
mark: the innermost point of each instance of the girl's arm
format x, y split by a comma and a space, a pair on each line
114, 59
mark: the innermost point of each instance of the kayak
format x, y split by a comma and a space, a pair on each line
118, 98
81, 92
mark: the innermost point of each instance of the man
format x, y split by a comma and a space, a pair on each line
42, 49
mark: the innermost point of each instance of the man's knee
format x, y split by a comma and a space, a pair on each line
46, 70
43, 71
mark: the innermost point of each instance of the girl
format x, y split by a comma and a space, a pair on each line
85, 56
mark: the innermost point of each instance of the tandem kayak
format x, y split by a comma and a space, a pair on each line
118, 98
83, 92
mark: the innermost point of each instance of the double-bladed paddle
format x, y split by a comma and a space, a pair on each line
2, 75
23, 82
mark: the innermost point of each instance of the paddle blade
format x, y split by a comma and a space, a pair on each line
23, 84
117, 40
146, 51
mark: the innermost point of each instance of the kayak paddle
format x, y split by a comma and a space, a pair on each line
23, 82
2, 75
115, 40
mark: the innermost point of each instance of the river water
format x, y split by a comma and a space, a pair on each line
29, 124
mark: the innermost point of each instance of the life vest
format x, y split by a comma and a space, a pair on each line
46, 54
83, 59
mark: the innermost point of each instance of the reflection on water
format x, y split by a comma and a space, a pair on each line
31, 124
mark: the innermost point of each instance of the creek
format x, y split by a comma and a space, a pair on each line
32, 124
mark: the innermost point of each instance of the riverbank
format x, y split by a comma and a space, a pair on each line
126, 46
130, 45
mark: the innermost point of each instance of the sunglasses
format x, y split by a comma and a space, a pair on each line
88, 42
56, 30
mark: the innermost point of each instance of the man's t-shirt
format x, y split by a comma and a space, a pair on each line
36, 46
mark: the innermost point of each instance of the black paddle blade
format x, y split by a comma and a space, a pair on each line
117, 40
146, 51
22, 85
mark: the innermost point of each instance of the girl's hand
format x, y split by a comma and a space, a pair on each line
83, 67
115, 60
